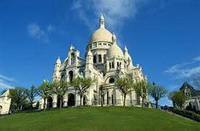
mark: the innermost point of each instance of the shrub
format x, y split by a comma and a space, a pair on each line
188, 114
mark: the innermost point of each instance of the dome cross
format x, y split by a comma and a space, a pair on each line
102, 21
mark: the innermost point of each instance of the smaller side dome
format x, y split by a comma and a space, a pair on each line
58, 61
114, 50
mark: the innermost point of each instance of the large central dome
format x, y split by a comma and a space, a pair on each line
101, 34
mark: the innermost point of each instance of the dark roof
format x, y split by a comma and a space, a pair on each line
186, 85
193, 91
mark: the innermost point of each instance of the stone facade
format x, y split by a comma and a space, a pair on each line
5, 102
194, 97
104, 61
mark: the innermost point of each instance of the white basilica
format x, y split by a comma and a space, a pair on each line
104, 61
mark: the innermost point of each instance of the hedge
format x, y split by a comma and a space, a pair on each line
188, 114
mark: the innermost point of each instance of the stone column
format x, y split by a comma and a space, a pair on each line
69, 60
97, 58
110, 96
115, 63
65, 99
76, 60
54, 101
77, 100
118, 96
89, 98
131, 98
105, 99
45, 104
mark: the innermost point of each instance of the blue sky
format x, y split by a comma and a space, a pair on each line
163, 36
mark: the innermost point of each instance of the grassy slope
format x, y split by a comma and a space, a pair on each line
97, 118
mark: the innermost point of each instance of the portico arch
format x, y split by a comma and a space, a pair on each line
0, 108
84, 100
49, 102
71, 100
59, 101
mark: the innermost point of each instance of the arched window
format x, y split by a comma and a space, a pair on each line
100, 59
111, 80
49, 102
110, 65
94, 59
84, 100
59, 101
117, 64
71, 100
62, 76
71, 75
113, 65
72, 58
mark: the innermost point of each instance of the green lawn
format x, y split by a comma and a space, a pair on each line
97, 118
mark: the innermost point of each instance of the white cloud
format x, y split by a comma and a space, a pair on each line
197, 58
5, 82
50, 28
5, 85
35, 31
185, 70
2, 77
115, 11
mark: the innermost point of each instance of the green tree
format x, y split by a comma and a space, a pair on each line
82, 84
102, 93
141, 90
45, 90
125, 84
178, 98
60, 88
18, 97
170, 97
157, 92
31, 94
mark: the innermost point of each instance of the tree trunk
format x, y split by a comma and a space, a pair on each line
124, 104
102, 101
44, 106
156, 104
21, 107
31, 105
18, 108
60, 103
142, 101
80, 100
